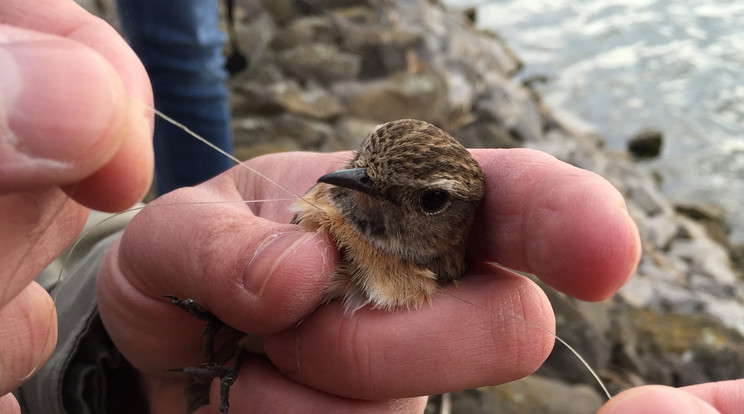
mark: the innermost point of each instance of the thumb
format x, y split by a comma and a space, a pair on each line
63, 109
59, 98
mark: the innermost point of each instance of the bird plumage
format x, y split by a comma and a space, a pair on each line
400, 211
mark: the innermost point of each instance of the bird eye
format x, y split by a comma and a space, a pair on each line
434, 200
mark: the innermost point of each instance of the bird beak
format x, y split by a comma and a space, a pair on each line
353, 179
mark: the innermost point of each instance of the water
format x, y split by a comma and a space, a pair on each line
624, 65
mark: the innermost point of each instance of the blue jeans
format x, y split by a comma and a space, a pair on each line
180, 44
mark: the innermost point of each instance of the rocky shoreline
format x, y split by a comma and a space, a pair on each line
324, 72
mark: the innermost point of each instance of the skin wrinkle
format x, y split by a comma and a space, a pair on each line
41, 231
352, 337
279, 259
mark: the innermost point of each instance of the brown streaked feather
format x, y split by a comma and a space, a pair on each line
394, 253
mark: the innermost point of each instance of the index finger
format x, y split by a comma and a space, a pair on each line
568, 226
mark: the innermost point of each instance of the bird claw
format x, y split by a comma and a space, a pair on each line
211, 369
227, 376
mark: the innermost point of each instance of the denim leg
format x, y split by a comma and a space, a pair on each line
180, 44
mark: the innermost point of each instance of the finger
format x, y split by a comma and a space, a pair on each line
261, 389
489, 331
90, 124
37, 227
56, 127
28, 336
568, 226
256, 275
726, 396
539, 215
67, 19
657, 399
9, 404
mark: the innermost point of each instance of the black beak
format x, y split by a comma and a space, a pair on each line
353, 179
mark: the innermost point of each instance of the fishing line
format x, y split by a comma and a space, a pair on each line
547, 331
554, 335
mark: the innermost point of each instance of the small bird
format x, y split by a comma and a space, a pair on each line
400, 211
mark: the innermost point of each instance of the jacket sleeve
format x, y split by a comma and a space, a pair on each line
86, 373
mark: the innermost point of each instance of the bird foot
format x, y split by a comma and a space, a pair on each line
197, 394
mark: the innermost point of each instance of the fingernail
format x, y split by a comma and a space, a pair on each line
56, 96
270, 254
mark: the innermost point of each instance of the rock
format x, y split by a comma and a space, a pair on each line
711, 216
286, 131
532, 394
319, 62
707, 258
512, 108
649, 199
304, 31
658, 231
332, 4
485, 134
572, 125
646, 144
383, 50
684, 349
584, 328
311, 102
352, 131
419, 96
470, 14
281, 11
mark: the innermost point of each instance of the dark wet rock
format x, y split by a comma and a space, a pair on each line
646, 144
470, 14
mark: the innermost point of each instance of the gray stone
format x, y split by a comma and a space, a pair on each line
658, 231
649, 199
532, 394
419, 96
319, 62
485, 134
352, 131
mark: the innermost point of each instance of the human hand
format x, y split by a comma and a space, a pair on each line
73, 132
725, 397
259, 275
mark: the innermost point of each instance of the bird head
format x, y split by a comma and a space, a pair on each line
411, 189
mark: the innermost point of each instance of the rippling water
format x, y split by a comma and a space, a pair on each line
624, 65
